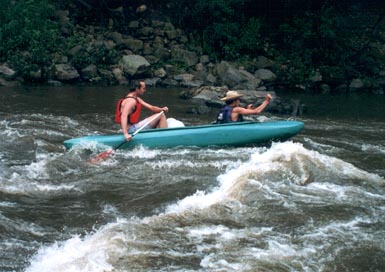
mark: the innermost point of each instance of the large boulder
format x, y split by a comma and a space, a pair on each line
356, 84
66, 72
229, 75
265, 75
134, 65
236, 78
132, 44
89, 72
209, 97
6, 72
249, 81
187, 57
118, 74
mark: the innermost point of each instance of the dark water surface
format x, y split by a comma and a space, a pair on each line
315, 203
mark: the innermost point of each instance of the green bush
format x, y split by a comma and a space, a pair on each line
28, 34
224, 28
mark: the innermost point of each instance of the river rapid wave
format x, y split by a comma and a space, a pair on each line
314, 203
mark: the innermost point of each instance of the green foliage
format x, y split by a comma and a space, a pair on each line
225, 30
104, 56
218, 39
28, 34
99, 54
233, 40
336, 43
250, 41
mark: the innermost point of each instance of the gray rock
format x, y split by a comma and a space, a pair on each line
168, 82
228, 74
116, 37
356, 84
133, 44
6, 72
210, 78
145, 31
263, 62
191, 83
134, 64
206, 96
265, 75
54, 83
76, 50
204, 59
184, 77
118, 74
89, 72
187, 57
152, 81
133, 25
161, 73
66, 72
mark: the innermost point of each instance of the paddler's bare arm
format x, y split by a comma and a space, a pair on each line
250, 110
152, 108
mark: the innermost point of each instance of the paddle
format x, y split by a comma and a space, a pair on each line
107, 153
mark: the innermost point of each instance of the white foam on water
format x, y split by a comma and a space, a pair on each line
205, 231
171, 164
373, 148
32, 179
220, 256
91, 253
288, 151
100, 250
139, 152
209, 262
7, 204
199, 200
288, 158
323, 147
17, 185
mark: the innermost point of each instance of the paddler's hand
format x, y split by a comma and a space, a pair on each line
128, 137
165, 109
268, 97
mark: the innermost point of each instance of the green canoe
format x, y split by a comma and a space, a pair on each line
232, 134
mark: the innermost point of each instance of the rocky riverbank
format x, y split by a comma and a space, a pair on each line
163, 55
154, 50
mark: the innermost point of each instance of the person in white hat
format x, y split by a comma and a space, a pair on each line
232, 112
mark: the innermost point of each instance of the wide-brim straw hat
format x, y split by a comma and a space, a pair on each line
230, 95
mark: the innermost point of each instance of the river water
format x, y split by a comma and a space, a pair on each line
314, 203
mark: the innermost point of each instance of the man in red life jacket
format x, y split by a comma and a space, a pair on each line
130, 108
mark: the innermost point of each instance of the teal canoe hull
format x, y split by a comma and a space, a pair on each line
232, 134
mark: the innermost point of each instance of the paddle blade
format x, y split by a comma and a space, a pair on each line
100, 157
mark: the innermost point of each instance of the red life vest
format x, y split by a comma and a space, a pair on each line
134, 117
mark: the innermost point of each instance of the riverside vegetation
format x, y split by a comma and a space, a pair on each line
240, 44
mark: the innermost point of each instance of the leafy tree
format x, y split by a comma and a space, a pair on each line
28, 34
339, 43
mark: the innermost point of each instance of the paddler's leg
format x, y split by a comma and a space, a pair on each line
159, 122
162, 121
